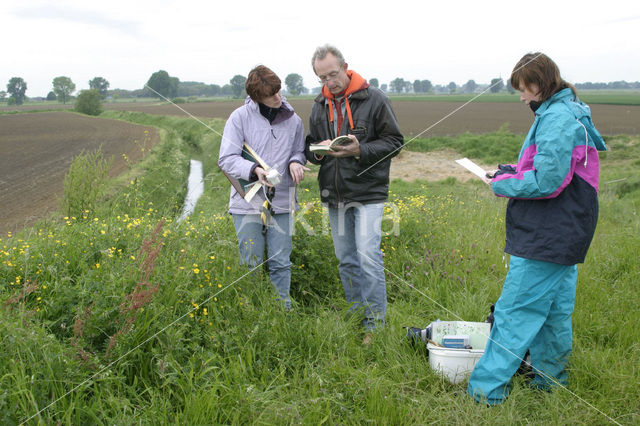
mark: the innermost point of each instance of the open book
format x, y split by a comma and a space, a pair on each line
323, 149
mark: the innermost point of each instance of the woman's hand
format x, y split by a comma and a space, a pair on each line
297, 171
262, 176
488, 177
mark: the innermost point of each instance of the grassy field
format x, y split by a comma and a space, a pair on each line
121, 315
609, 97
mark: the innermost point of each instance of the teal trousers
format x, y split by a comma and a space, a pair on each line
533, 312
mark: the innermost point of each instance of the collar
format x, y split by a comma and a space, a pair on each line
268, 112
356, 83
564, 94
284, 113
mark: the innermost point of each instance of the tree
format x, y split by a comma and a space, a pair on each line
417, 86
3, 95
408, 86
397, 85
99, 84
452, 87
89, 102
426, 86
384, 87
214, 90
226, 90
17, 88
294, 84
237, 84
51, 96
63, 87
374, 82
510, 88
174, 82
496, 85
470, 86
162, 85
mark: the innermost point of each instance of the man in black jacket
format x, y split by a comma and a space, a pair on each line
354, 178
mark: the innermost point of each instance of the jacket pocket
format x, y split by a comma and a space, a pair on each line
360, 132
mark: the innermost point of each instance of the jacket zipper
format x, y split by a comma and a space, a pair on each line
335, 160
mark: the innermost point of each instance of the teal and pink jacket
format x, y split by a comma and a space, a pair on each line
553, 190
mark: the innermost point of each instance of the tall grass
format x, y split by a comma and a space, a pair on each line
128, 317
85, 184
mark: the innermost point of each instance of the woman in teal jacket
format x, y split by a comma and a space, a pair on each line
550, 221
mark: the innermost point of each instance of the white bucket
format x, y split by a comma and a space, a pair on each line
457, 364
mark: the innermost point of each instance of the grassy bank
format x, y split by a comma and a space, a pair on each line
122, 315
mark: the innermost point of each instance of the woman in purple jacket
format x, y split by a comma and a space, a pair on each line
268, 125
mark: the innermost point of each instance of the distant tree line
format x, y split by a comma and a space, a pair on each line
614, 85
400, 85
62, 89
162, 85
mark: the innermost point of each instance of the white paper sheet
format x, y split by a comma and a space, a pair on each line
472, 167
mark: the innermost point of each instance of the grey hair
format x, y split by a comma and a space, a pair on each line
321, 53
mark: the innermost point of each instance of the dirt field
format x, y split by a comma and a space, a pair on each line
430, 166
36, 151
416, 117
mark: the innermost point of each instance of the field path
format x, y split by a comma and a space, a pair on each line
430, 166
36, 151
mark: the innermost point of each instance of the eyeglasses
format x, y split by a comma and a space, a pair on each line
331, 76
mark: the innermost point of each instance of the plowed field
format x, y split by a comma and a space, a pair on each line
36, 151
415, 117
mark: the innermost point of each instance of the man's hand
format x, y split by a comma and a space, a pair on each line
297, 171
349, 150
321, 156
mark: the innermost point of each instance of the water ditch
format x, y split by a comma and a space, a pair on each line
195, 188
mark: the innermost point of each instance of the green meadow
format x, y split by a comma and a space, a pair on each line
113, 312
612, 97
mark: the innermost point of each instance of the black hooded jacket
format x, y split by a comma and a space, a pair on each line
350, 180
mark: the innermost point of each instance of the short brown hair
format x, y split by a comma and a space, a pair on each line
537, 68
262, 83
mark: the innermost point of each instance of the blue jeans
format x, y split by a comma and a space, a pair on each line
251, 243
533, 312
356, 234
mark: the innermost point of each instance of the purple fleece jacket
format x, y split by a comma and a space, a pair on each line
278, 144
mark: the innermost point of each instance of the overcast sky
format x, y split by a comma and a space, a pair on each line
211, 41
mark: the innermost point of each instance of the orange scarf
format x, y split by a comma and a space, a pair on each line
356, 83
